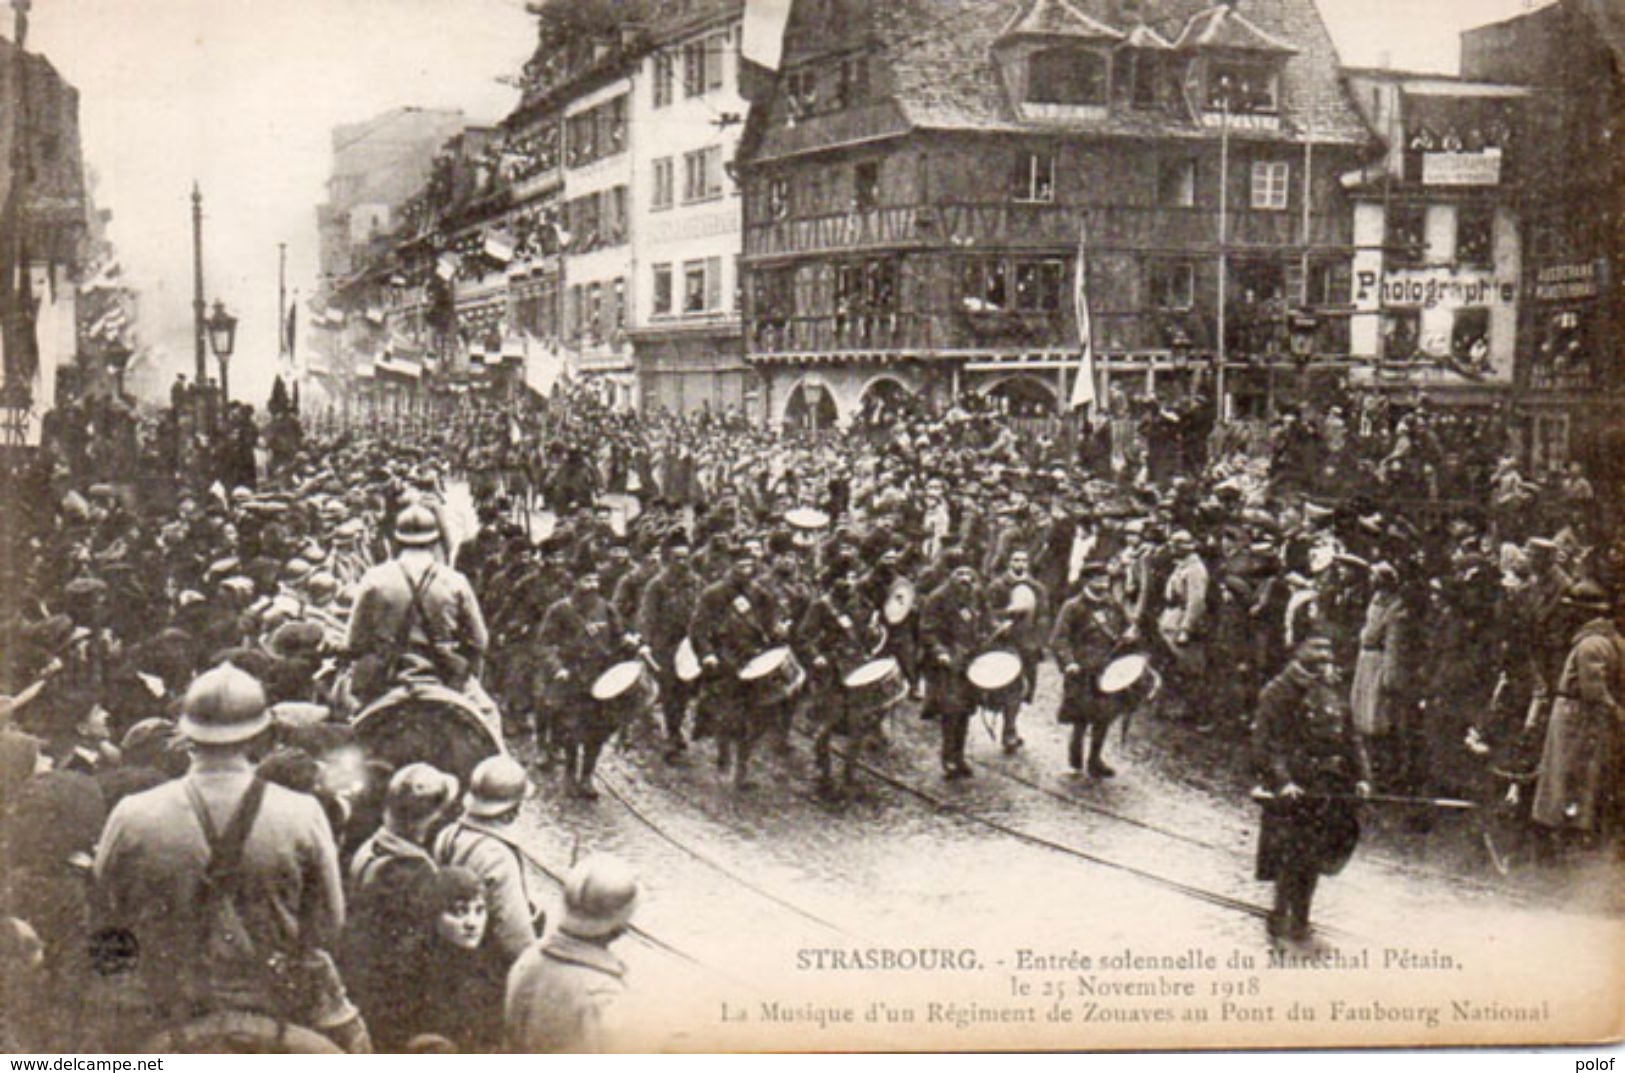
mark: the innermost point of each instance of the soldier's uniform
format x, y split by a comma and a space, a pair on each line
953, 625
1304, 736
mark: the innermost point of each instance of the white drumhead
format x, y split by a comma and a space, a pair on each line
806, 518
764, 664
687, 664
1122, 672
994, 670
870, 673
617, 680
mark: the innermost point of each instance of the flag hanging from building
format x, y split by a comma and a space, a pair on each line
1083, 386
290, 329
499, 246
447, 265
761, 46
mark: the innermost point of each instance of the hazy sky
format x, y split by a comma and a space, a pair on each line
242, 96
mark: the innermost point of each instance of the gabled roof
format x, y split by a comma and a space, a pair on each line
1056, 18
1222, 26
1143, 36
943, 71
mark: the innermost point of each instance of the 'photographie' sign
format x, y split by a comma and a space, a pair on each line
1462, 169
1433, 288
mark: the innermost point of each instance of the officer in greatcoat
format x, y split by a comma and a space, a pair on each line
1313, 767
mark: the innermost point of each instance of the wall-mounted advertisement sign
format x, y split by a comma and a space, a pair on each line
1462, 169
1567, 283
1432, 288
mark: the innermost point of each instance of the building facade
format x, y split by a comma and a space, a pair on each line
687, 117
1437, 224
1570, 359
43, 241
927, 178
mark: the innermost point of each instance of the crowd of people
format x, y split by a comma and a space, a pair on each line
198, 843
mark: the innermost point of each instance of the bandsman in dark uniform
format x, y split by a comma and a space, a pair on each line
1022, 630
664, 609
735, 620
953, 625
1314, 767
1089, 633
838, 634
581, 637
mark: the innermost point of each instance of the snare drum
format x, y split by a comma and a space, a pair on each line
1131, 674
995, 675
773, 677
627, 690
687, 664
875, 687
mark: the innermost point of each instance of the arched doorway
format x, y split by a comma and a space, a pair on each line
810, 406
1024, 396
884, 400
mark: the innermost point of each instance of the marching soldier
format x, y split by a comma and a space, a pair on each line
734, 620
952, 627
1023, 602
664, 609
1314, 766
1090, 630
580, 638
836, 636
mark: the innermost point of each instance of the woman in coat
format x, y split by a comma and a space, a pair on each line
1378, 666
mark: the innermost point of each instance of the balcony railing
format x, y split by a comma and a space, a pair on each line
1016, 223
1174, 331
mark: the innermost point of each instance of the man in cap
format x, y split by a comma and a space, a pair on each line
1184, 620
735, 620
562, 991
953, 627
1311, 764
483, 841
1022, 603
581, 637
1579, 763
257, 860
1089, 631
664, 609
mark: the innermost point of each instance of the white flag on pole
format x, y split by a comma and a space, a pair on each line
1083, 387
762, 39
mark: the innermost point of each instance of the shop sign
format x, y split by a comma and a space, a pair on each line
1567, 283
1432, 288
1462, 169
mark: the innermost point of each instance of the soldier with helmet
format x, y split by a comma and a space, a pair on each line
562, 991
483, 840
155, 855
417, 619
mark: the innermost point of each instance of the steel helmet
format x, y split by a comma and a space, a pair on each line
224, 706
600, 894
416, 526
497, 786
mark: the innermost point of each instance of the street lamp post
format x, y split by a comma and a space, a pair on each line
222, 339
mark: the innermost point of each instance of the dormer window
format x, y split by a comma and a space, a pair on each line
1067, 76
1243, 87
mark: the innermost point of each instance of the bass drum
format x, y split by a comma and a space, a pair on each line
427, 723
